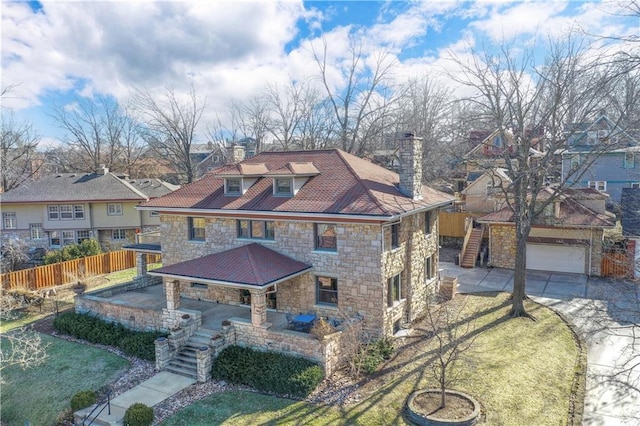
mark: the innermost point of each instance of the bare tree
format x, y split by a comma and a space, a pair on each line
19, 155
22, 348
95, 130
425, 109
532, 105
286, 106
451, 328
251, 119
14, 254
170, 125
366, 78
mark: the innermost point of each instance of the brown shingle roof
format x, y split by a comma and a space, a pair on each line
252, 264
345, 184
572, 214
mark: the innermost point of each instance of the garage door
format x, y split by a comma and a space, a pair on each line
557, 258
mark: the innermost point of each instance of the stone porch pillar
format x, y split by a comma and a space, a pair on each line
258, 307
172, 289
141, 264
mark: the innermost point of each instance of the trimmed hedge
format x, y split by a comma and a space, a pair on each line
267, 371
92, 329
138, 414
83, 399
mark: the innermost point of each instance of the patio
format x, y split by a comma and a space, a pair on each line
153, 298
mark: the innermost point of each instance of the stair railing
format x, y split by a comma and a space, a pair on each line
106, 405
467, 236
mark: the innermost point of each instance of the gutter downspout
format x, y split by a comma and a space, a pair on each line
590, 252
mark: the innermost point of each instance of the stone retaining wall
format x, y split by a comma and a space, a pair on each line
135, 318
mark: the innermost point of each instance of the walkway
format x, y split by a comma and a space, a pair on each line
605, 311
150, 392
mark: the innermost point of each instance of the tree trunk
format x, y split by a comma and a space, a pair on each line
520, 271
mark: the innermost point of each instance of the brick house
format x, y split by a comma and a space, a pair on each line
64, 208
567, 237
305, 231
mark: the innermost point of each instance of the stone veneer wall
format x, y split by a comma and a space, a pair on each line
23, 235
359, 264
503, 244
409, 260
325, 352
135, 318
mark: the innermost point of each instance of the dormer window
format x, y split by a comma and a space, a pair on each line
233, 186
283, 186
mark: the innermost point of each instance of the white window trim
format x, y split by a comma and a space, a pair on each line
629, 164
65, 240
596, 183
13, 220
40, 233
66, 209
78, 211
53, 208
120, 230
226, 186
282, 194
117, 207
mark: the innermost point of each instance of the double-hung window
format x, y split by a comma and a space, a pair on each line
429, 268
68, 237
326, 238
394, 290
114, 209
256, 229
600, 185
233, 186
36, 231
428, 222
54, 237
197, 228
395, 231
82, 235
283, 186
54, 212
327, 290
629, 160
66, 212
9, 220
78, 211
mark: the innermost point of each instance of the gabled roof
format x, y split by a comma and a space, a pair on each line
66, 187
250, 265
630, 203
578, 132
345, 184
572, 214
499, 173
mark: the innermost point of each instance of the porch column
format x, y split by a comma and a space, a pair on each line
172, 289
258, 307
141, 264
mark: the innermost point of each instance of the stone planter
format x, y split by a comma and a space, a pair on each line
421, 419
79, 288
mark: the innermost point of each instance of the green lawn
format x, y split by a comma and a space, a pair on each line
41, 394
64, 299
521, 371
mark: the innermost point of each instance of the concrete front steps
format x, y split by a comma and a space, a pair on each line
185, 363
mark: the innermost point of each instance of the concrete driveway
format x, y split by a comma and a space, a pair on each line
607, 314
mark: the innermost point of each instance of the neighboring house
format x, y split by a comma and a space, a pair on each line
567, 237
630, 204
66, 208
299, 231
487, 193
602, 156
491, 153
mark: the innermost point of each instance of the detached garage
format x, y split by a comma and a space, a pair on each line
557, 258
566, 237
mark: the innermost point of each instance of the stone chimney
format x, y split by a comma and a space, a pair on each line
235, 153
103, 169
410, 167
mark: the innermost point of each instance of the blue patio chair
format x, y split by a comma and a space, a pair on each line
289, 320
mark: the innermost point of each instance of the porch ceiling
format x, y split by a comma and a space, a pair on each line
252, 265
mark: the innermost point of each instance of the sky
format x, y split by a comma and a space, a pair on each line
54, 53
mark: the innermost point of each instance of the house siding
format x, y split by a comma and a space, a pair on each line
607, 167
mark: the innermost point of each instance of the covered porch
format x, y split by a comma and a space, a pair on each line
244, 278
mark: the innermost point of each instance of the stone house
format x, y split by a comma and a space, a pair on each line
567, 237
65, 208
320, 232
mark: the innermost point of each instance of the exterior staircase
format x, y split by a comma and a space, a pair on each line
471, 248
185, 363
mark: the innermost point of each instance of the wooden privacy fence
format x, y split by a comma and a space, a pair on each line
617, 265
69, 271
452, 224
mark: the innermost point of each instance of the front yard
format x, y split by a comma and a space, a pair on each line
521, 371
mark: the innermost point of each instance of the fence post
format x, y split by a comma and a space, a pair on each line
33, 285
